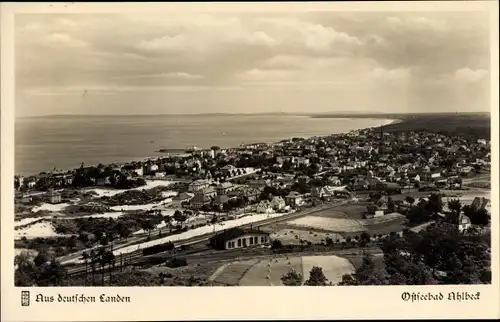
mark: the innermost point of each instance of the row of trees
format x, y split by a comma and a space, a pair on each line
101, 257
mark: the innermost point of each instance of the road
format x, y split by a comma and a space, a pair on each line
136, 256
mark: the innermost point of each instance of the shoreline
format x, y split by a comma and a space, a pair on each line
389, 121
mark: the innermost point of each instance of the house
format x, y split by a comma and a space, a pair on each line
103, 181
224, 188
264, 207
220, 200
293, 199
465, 170
199, 200
278, 203
53, 197
138, 171
259, 183
464, 223
31, 184
251, 193
180, 198
239, 238
208, 191
160, 174
198, 185
150, 168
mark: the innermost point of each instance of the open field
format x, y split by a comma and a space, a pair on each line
338, 225
350, 227
352, 211
232, 273
268, 272
334, 267
293, 236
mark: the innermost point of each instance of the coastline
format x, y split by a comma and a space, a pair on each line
160, 155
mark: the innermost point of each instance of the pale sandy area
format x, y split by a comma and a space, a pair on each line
149, 206
50, 207
112, 192
40, 229
27, 221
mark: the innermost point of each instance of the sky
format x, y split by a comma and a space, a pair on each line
233, 62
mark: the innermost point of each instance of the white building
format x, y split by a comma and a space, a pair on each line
264, 207
278, 203
464, 223
239, 238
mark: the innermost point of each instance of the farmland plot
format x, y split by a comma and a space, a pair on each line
268, 272
331, 224
334, 267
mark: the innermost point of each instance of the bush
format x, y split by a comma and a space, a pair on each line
158, 248
176, 262
276, 244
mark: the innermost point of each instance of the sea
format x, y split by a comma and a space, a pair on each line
65, 142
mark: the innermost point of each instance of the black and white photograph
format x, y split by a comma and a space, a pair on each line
207, 148
252, 149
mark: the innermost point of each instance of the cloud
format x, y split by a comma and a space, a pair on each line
67, 23
417, 23
354, 55
393, 74
466, 75
60, 39
177, 75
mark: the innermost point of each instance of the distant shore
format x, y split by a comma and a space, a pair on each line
155, 150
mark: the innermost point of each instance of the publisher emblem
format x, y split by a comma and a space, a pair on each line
25, 298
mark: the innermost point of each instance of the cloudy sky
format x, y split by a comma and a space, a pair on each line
230, 62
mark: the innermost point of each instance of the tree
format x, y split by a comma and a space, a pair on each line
410, 200
123, 230
25, 273
364, 239
85, 258
316, 277
366, 274
390, 204
147, 225
435, 204
292, 278
455, 206
276, 244
371, 208
477, 217
41, 258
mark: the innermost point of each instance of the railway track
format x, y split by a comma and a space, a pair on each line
137, 256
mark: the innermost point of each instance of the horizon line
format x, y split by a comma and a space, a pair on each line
353, 113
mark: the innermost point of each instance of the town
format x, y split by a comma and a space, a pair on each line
357, 195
